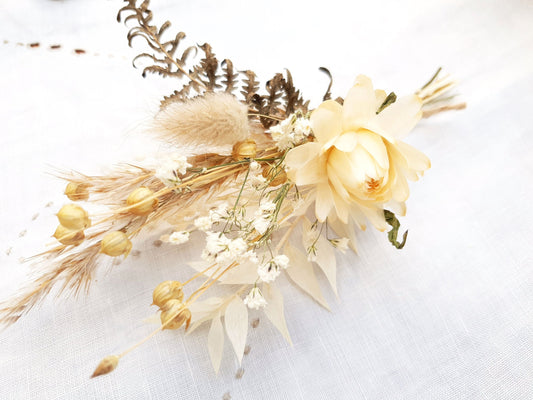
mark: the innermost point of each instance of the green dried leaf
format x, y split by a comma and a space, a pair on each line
393, 233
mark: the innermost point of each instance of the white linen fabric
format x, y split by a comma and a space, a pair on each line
448, 317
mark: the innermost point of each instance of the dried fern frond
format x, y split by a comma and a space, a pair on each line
207, 74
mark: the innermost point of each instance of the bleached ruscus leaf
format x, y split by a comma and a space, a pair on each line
302, 273
215, 343
274, 311
236, 322
325, 258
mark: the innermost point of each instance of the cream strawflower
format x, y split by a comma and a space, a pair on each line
358, 163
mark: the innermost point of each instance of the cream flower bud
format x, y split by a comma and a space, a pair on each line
243, 150
166, 291
68, 237
73, 217
174, 315
76, 191
115, 244
141, 201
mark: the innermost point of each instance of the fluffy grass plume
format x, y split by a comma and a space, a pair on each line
213, 120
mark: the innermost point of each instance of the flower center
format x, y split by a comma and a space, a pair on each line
373, 185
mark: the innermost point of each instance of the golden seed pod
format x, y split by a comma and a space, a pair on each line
243, 150
275, 175
115, 244
69, 237
73, 217
141, 201
174, 315
107, 365
76, 192
166, 291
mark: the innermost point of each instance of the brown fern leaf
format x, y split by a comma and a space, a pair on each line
164, 60
208, 68
292, 97
250, 87
275, 89
230, 77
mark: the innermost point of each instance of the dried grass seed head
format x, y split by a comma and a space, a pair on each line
174, 315
166, 291
245, 149
69, 237
77, 191
213, 120
275, 175
73, 217
107, 365
115, 244
141, 201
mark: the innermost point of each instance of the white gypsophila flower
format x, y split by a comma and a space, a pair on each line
223, 250
219, 213
251, 256
281, 261
302, 127
203, 223
255, 299
256, 181
268, 272
216, 243
255, 167
341, 244
166, 174
180, 163
261, 224
267, 206
171, 167
179, 237
282, 134
237, 247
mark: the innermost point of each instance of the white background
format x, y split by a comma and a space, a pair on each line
448, 317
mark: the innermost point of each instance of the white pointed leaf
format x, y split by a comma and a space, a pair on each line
215, 342
345, 230
301, 273
202, 311
325, 258
236, 322
274, 310
242, 274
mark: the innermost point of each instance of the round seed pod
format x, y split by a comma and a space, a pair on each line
73, 217
174, 315
141, 201
275, 175
244, 150
166, 291
76, 192
69, 237
115, 244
